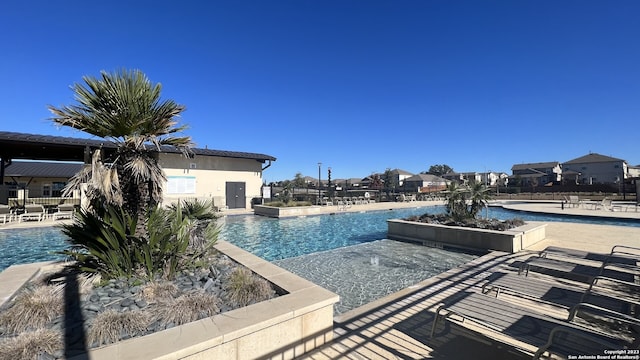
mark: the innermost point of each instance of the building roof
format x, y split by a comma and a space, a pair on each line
425, 177
401, 172
42, 169
48, 147
593, 158
539, 165
535, 175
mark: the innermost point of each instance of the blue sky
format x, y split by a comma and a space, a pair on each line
360, 86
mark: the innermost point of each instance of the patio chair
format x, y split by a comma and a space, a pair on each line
522, 324
6, 214
580, 272
63, 211
33, 212
559, 294
574, 201
619, 255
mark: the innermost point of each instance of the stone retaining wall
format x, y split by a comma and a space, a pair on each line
279, 212
512, 240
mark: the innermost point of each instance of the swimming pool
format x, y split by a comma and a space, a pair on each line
273, 239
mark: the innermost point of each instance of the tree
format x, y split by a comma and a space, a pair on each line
376, 184
439, 170
285, 194
298, 182
390, 182
125, 108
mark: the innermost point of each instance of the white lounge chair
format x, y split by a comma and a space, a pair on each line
64, 211
6, 214
32, 212
574, 201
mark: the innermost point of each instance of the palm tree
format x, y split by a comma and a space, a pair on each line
479, 196
456, 205
124, 107
465, 202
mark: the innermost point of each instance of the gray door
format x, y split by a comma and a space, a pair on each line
236, 196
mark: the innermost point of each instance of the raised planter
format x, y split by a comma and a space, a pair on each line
284, 327
512, 240
278, 212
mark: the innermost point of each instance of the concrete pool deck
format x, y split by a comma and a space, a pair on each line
397, 326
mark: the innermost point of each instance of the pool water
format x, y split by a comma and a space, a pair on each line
369, 271
272, 239
21, 246
276, 239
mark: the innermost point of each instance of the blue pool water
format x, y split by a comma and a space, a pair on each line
271, 239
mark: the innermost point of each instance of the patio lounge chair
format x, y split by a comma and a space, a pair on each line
573, 201
604, 204
32, 212
561, 295
6, 214
64, 211
547, 334
622, 256
580, 272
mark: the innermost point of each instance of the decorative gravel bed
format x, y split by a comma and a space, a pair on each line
152, 306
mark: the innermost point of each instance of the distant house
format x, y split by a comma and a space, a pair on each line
494, 178
596, 169
536, 174
400, 176
633, 171
463, 178
425, 183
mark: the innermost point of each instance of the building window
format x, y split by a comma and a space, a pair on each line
181, 185
13, 187
57, 189
46, 190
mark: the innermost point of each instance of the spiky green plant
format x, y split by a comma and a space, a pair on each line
30, 345
187, 308
103, 244
202, 227
195, 209
244, 288
33, 309
106, 243
465, 202
109, 326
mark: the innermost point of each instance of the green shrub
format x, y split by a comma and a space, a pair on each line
103, 244
107, 244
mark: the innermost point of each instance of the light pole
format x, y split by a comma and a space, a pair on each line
319, 183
